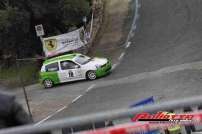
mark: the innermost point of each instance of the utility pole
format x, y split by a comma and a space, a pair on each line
23, 88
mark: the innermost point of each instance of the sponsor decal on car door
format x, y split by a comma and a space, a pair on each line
69, 71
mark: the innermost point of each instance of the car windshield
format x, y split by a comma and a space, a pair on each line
81, 59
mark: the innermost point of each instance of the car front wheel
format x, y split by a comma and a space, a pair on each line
48, 83
91, 75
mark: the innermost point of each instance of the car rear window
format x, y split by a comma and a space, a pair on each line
52, 67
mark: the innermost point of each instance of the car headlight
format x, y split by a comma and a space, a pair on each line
97, 66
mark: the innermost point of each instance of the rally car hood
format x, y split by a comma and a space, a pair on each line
98, 61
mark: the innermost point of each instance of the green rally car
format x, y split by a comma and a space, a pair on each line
72, 67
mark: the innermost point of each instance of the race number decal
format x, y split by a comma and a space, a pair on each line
71, 74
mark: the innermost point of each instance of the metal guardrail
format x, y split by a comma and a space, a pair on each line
103, 116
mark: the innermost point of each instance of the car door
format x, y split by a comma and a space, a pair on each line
51, 72
69, 71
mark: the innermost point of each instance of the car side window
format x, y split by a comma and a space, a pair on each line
67, 65
52, 67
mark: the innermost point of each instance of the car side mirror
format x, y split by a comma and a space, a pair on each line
77, 66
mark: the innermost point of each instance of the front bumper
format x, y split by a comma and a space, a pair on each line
104, 70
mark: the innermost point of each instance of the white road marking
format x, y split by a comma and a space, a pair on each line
136, 16
132, 31
139, 5
134, 28
90, 88
121, 56
132, 34
40, 122
114, 66
48, 117
128, 45
61, 109
77, 98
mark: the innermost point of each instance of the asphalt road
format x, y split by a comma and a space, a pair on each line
168, 35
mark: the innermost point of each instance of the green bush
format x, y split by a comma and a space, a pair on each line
27, 72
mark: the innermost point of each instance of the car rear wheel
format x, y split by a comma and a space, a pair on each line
48, 83
91, 75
